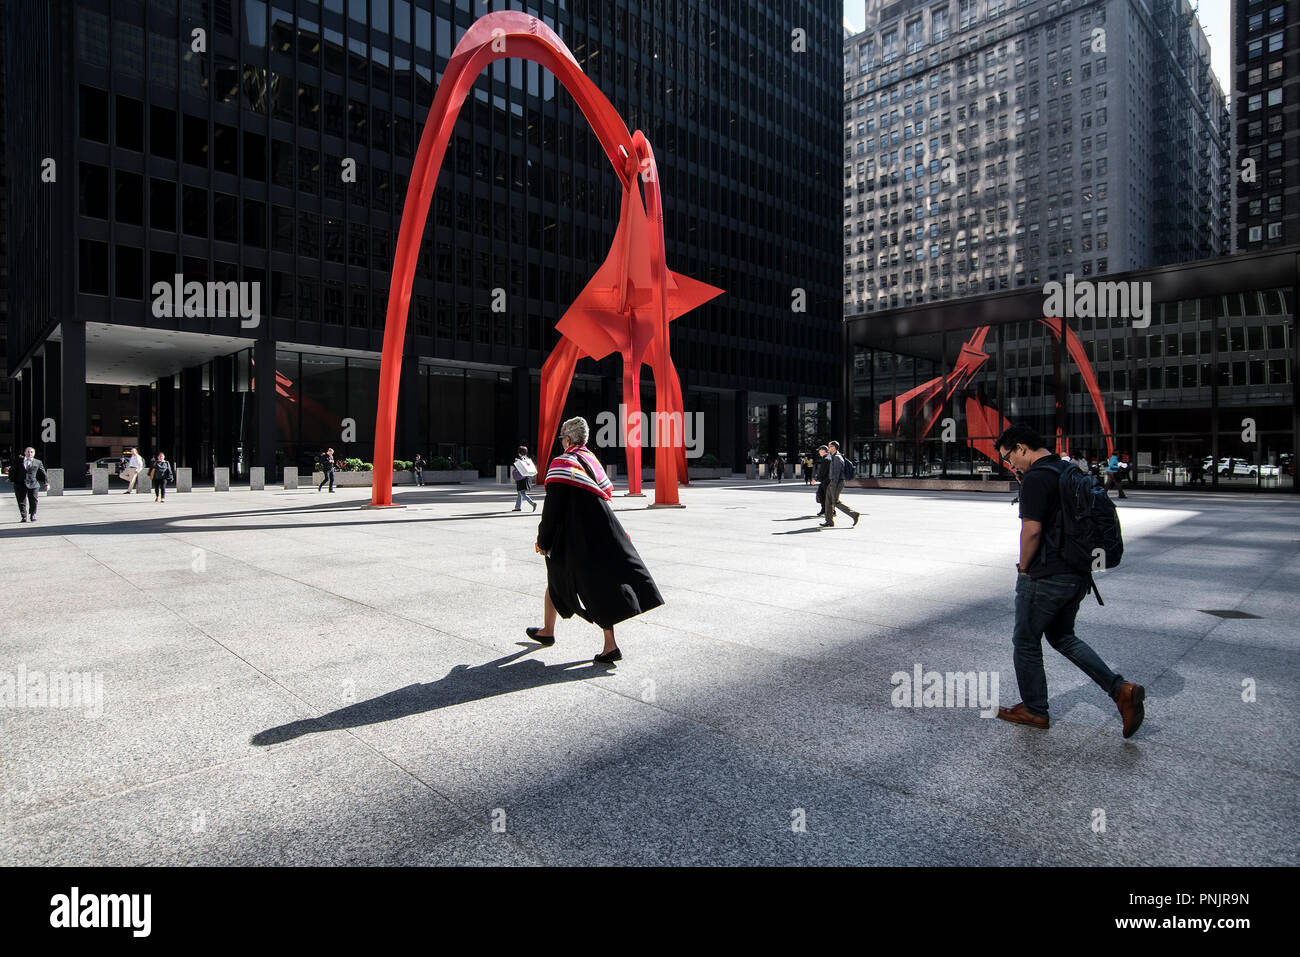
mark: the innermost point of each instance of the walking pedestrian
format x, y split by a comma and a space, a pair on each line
523, 471
835, 486
27, 475
778, 468
808, 470
1048, 591
327, 466
160, 475
417, 469
592, 570
1114, 468
131, 470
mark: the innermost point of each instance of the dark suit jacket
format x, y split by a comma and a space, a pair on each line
27, 478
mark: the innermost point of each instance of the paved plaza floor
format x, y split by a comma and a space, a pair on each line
289, 679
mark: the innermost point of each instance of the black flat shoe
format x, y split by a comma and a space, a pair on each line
540, 639
610, 658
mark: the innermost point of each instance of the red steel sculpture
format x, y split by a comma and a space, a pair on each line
983, 422
627, 305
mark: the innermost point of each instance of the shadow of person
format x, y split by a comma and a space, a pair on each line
462, 684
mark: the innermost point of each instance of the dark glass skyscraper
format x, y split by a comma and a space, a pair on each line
271, 142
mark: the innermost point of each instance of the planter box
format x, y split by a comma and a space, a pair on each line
647, 475
364, 479
450, 477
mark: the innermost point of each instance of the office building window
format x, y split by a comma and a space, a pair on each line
93, 108
162, 132
94, 190
128, 200
162, 204
128, 272
92, 272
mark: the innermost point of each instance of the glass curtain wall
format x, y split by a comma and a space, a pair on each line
1203, 395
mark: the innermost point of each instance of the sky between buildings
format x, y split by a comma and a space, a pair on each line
1215, 16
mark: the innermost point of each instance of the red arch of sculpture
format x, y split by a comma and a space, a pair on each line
634, 288
990, 420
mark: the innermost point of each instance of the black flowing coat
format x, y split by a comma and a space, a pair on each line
592, 569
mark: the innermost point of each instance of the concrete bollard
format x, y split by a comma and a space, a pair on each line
221, 479
99, 481
257, 478
503, 475
291, 478
55, 477
185, 480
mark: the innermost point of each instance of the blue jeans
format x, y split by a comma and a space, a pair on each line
521, 495
1048, 606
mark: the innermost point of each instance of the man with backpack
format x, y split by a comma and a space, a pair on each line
838, 470
1067, 522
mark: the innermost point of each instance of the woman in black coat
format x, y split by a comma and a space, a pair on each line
592, 570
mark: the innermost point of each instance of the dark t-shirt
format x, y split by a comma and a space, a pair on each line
1040, 501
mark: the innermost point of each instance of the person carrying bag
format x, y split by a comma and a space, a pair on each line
524, 472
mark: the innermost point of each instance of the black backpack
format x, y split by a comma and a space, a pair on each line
850, 470
1090, 536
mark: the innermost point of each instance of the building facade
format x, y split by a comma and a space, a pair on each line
270, 143
1266, 111
6, 386
1204, 372
992, 145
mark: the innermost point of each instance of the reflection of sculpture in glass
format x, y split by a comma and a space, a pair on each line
983, 421
627, 305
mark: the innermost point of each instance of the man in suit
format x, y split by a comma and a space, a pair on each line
27, 475
834, 478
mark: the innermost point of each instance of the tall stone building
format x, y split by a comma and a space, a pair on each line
1266, 123
991, 145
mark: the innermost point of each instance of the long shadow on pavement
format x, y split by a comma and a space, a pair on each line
461, 685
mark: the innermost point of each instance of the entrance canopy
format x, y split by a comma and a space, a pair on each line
129, 355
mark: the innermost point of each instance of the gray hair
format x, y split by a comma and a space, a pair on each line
576, 430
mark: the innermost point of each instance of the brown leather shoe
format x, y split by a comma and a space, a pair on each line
1019, 714
1130, 706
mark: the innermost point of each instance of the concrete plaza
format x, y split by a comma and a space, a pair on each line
289, 679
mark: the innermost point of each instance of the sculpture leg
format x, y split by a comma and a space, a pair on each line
671, 414
557, 376
634, 426
679, 406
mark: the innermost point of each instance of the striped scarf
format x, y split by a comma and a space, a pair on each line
567, 469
